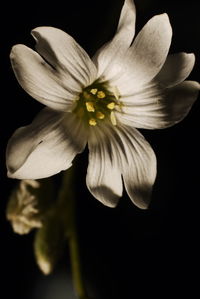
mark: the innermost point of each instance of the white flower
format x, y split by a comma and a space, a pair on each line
101, 102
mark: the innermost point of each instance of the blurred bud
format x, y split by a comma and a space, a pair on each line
23, 209
49, 242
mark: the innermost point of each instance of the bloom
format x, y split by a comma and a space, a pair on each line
101, 101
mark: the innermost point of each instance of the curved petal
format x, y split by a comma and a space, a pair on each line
103, 175
138, 166
156, 108
39, 79
74, 66
137, 163
146, 56
115, 49
176, 69
45, 147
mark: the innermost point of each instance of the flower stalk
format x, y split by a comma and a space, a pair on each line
67, 204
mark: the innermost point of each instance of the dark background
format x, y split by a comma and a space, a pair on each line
126, 252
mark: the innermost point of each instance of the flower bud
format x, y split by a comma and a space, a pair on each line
49, 242
22, 209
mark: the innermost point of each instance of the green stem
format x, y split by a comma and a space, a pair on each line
68, 210
76, 267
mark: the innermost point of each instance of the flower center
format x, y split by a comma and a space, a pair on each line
97, 103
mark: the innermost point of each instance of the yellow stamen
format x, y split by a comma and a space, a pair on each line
92, 122
111, 106
113, 118
100, 115
94, 91
101, 94
90, 106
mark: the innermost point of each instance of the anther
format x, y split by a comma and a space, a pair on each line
94, 91
92, 122
90, 106
100, 115
101, 94
111, 106
113, 118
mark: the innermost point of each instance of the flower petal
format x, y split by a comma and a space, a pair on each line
45, 147
116, 150
156, 108
138, 165
115, 49
103, 175
146, 56
176, 69
72, 63
39, 79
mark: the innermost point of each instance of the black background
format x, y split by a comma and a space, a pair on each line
126, 252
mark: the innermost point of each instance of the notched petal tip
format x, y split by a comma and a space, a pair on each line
103, 177
142, 197
140, 169
105, 195
141, 194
